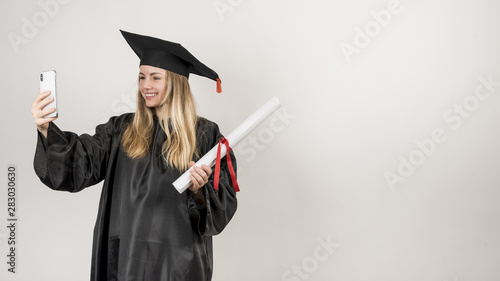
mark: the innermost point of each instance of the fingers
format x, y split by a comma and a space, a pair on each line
43, 112
41, 119
41, 103
40, 97
199, 176
39, 114
207, 169
38, 109
50, 119
46, 101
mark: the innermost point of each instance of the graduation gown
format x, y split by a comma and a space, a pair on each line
145, 229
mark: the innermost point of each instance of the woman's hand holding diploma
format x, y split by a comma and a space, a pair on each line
199, 177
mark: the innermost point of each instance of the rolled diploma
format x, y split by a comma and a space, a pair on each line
243, 130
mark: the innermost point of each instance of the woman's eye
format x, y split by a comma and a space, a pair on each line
141, 78
156, 78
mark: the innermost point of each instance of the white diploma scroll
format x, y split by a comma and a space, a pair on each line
242, 131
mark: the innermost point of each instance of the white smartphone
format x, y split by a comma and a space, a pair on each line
48, 83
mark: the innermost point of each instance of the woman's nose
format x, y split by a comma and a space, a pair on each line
147, 85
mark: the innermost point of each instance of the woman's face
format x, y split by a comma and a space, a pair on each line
153, 86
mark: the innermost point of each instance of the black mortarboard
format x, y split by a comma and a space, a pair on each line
168, 55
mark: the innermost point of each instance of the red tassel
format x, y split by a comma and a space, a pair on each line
229, 164
219, 86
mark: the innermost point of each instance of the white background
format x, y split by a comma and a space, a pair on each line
312, 174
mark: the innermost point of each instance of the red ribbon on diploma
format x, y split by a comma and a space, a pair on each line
230, 164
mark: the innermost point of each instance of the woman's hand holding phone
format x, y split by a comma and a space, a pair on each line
39, 112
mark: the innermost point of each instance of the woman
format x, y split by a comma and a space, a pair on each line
145, 229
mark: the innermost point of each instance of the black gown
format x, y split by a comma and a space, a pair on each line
145, 229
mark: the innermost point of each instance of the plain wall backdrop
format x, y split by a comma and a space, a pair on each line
382, 164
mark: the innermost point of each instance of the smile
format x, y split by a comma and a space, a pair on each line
149, 96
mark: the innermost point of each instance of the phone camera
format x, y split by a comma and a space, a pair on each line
41, 77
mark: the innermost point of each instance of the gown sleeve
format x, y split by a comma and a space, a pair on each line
67, 162
220, 205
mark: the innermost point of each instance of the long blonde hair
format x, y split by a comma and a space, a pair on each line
178, 121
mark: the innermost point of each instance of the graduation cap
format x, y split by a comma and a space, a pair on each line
169, 56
